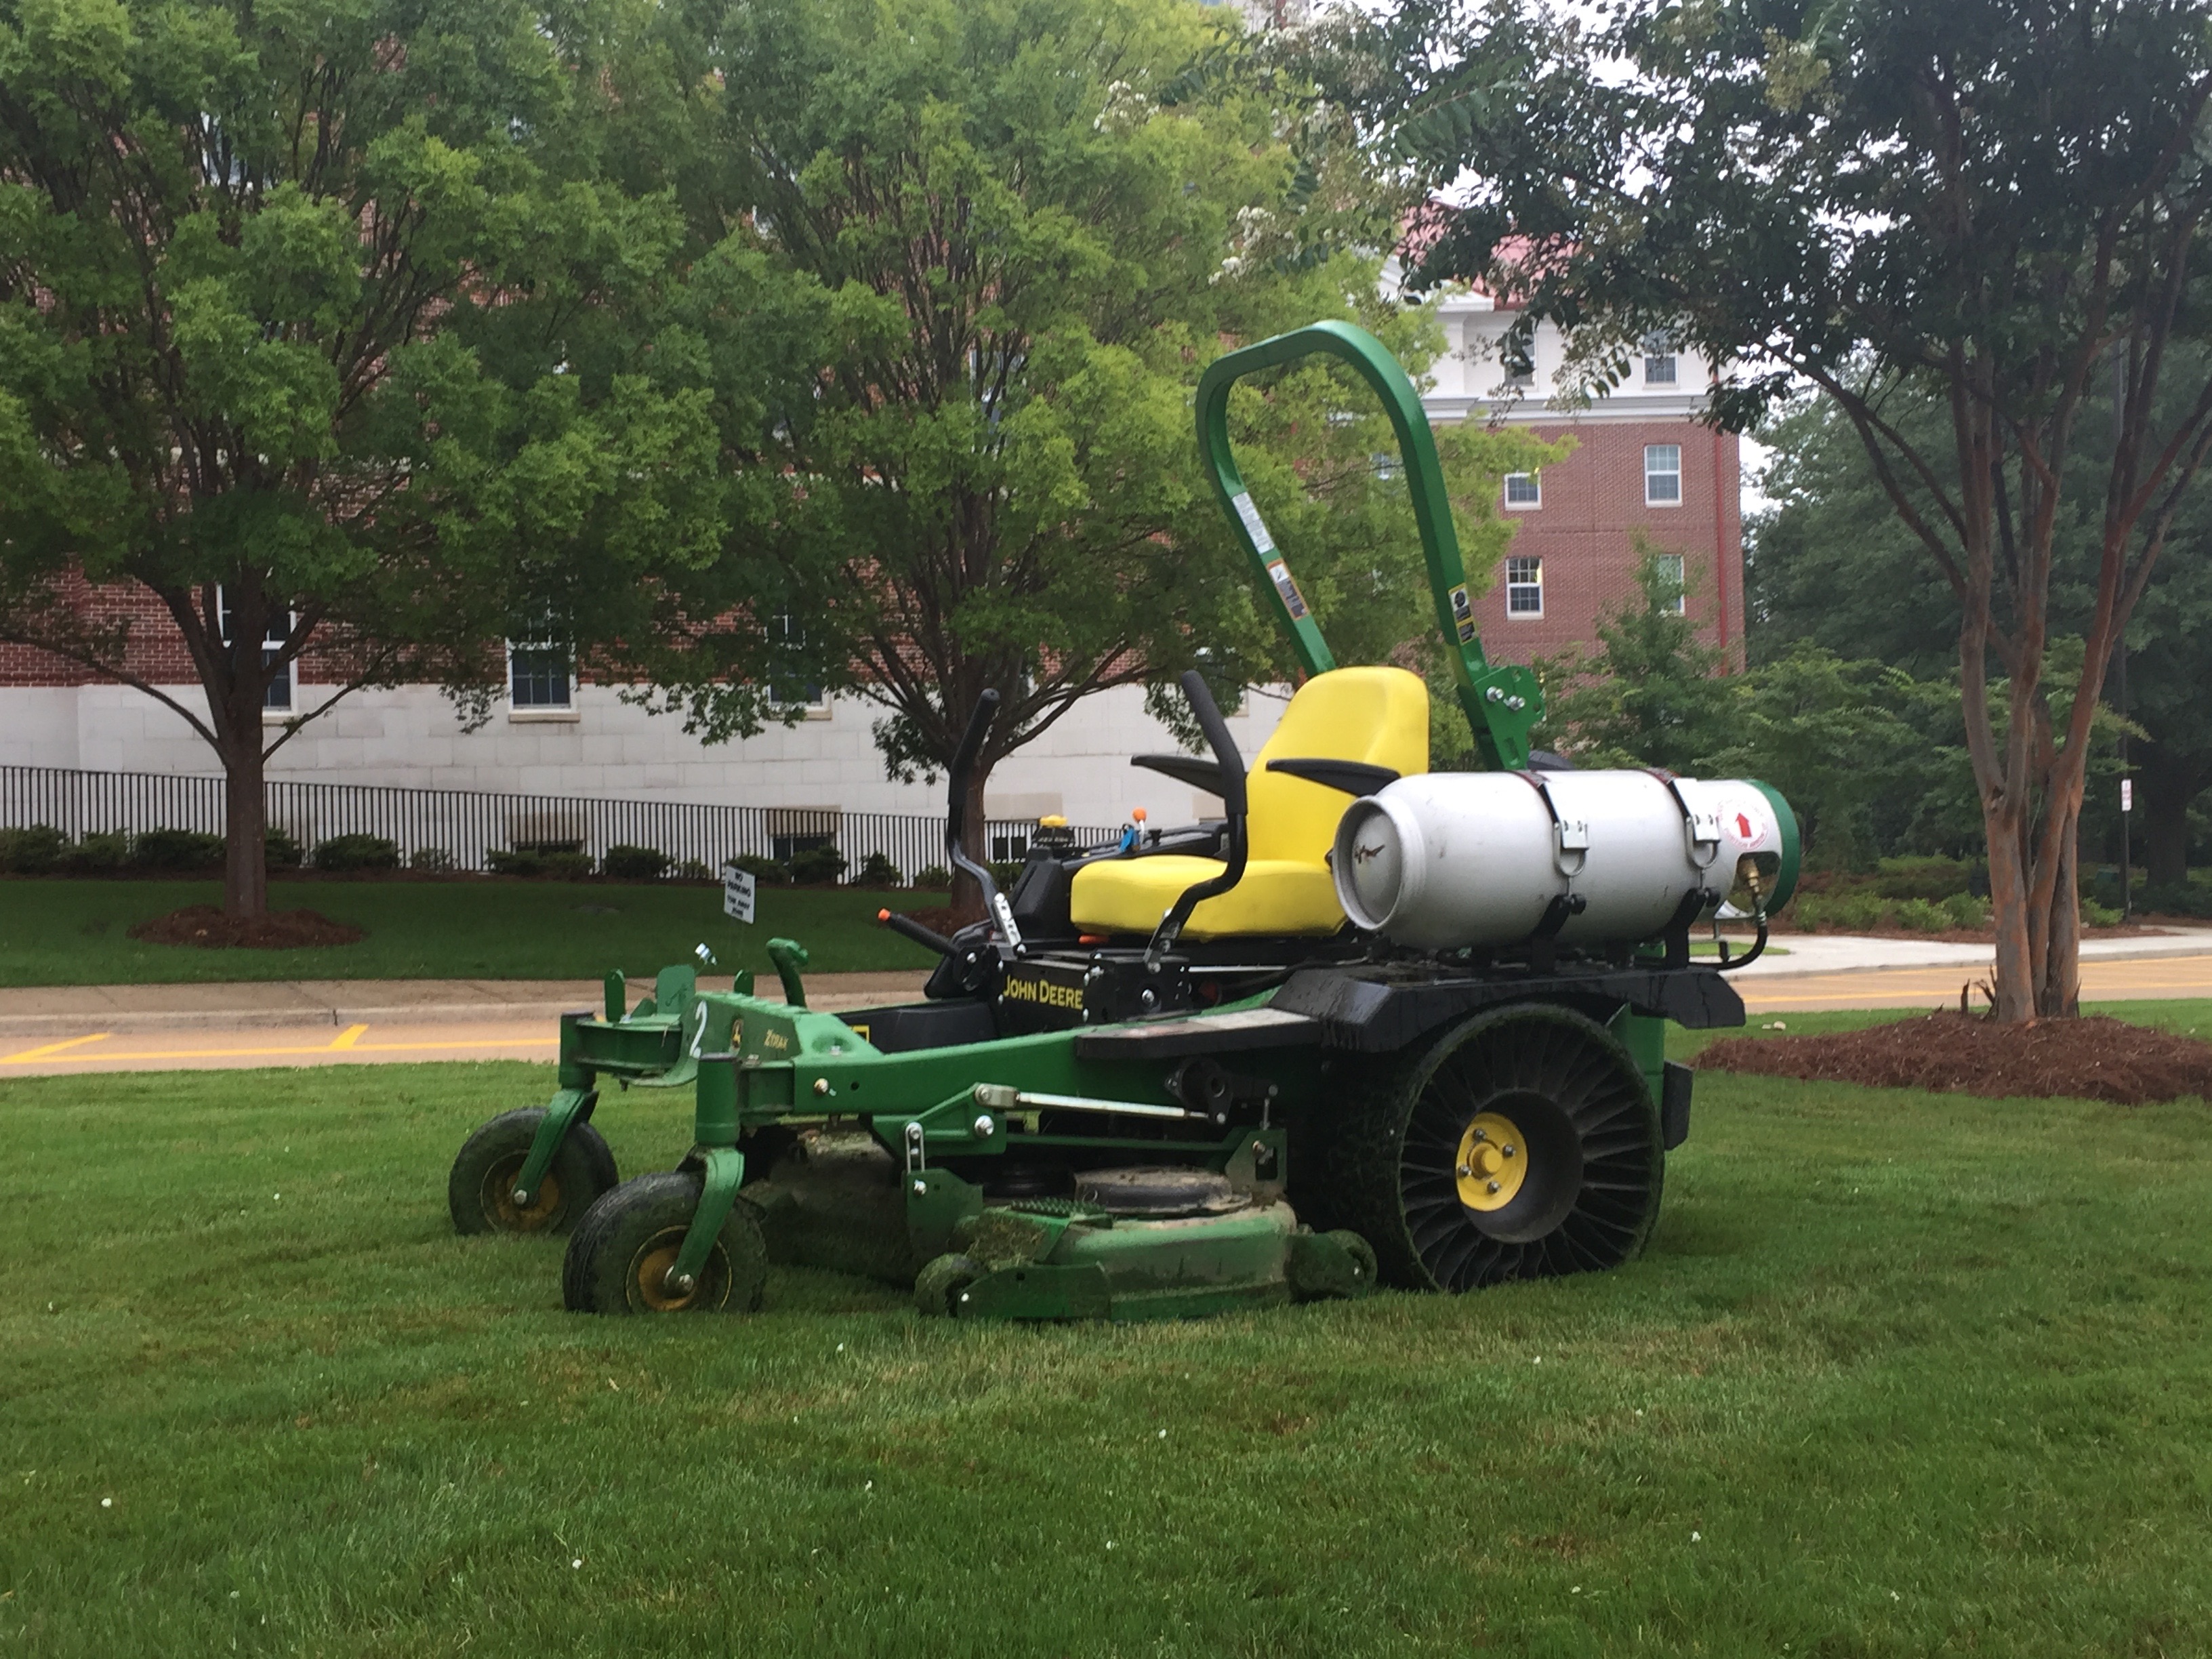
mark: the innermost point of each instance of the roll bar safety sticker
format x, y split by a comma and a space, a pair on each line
1462, 610
1255, 526
1293, 601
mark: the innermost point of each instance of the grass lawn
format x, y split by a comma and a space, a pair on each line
73, 933
1900, 1375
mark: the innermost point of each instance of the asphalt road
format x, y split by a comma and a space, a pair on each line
217, 1047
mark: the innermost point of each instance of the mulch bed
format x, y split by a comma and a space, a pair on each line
205, 925
2093, 1058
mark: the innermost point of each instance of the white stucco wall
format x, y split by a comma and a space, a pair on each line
412, 738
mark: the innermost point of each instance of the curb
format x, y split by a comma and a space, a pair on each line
264, 1019
122, 1022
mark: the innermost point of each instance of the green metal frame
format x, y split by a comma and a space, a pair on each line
1502, 701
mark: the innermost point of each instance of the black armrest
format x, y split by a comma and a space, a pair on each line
1196, 770
1353, 777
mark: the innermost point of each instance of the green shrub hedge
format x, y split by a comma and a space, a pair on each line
356, 853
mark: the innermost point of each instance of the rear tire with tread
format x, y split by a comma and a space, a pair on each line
1596, 1165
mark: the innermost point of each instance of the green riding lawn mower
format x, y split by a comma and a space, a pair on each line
1374, 1024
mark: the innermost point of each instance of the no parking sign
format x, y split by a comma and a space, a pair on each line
737, 890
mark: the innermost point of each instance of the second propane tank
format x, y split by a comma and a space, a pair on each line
1448, 860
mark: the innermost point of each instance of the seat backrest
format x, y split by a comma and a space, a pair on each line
1378, 715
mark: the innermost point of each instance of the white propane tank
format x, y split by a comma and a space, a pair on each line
1447, 859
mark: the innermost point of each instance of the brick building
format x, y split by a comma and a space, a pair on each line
1640, 463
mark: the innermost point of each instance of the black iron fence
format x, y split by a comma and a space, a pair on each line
459, 829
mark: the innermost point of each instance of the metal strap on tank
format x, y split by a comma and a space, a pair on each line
1570, 841
1697, 831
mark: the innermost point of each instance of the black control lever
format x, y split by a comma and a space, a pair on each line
1233, 801
914, 930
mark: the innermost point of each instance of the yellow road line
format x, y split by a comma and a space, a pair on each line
53, 1049
348, 1037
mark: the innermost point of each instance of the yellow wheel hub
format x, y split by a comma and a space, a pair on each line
650, 1267
1492, 1161
506, 1214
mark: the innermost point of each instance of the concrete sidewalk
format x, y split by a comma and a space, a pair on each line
1842, 953
58, 1011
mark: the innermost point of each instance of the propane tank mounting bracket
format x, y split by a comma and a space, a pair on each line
1701, 831
1570, 840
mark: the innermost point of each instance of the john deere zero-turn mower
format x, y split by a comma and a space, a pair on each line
1375, 1022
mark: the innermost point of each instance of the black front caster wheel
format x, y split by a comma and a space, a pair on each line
620, 1259
480, 1191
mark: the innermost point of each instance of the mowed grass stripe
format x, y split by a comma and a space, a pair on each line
1921, 1373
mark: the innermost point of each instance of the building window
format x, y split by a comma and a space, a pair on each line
277, 695
1524, 587
539, 677
787, 637
1671, 581
1658, 360
1662, 475
1524, 490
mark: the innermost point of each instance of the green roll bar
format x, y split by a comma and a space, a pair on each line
1503, 701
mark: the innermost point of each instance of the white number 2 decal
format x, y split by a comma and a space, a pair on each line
699, 1030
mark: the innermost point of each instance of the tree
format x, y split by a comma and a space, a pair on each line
1991, 204
1022, 228
314, 326
1649, 695
1830, 564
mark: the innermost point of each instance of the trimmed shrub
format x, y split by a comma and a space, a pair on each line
2094, 915
280, 850
878, 871
177, 850
100, 854
693, 870
1919, 916
31, 852
626, 863
769, 873
1965, 910
434, 859
544, 863
357, 853
1838, 913
817, 866
1920, 877
2181, 899
932, 878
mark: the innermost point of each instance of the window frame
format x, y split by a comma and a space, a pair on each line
1529, 578
1658, 350
1535, 482
815, 705
1681, 583
1652, 472
563, 710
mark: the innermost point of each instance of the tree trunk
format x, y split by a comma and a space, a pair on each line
2166, 787
2015, 976
2058, 989
974, 841
244, 856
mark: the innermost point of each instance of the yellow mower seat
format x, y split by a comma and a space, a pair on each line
1377, 715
